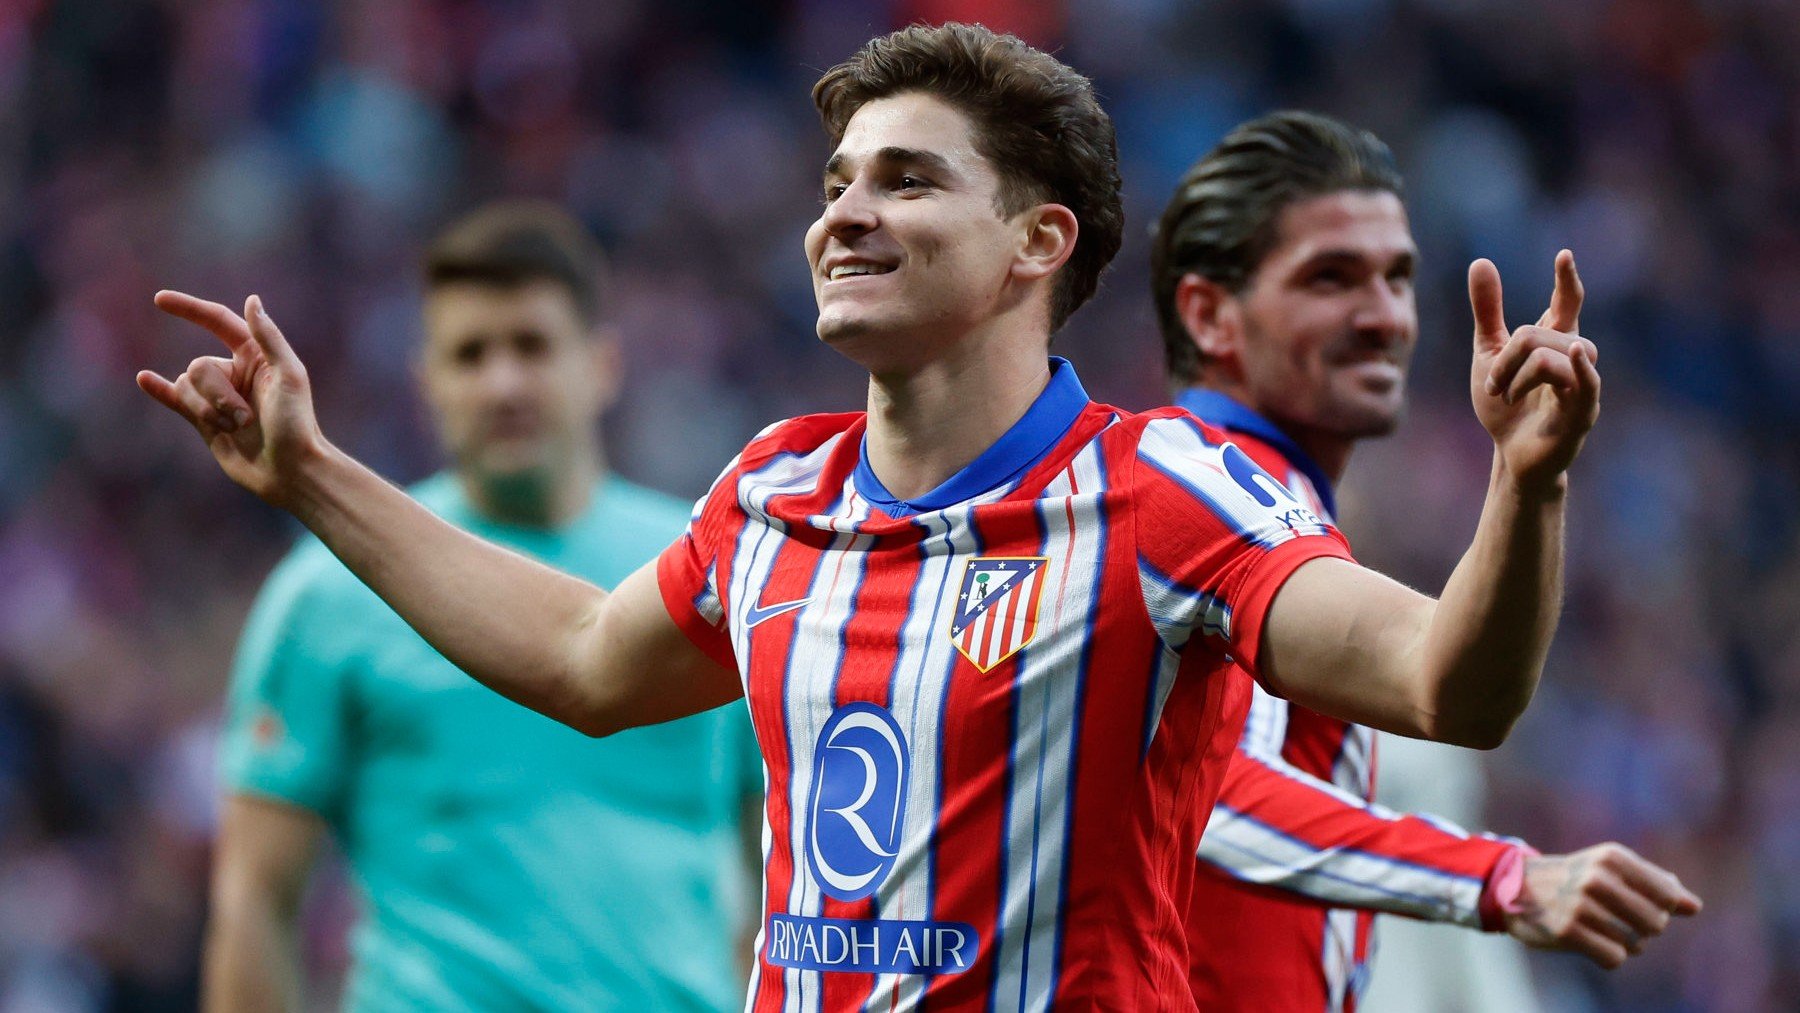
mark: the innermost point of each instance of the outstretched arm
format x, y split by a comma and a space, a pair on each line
1278, 827
596, 661
1351, 643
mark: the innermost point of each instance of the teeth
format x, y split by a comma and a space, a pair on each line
846, 270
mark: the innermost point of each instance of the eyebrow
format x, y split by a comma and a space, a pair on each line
1404, 258
929, 161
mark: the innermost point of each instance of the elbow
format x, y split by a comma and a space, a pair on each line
581, 709
1484, 729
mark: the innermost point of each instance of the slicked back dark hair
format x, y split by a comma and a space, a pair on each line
514, 243
1035, 119
1223, 219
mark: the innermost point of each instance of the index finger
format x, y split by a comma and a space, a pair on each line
267, 336
1564, 313
228, 326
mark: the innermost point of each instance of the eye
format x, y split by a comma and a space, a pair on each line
833, 191
908, 181
1331, 279
467, 353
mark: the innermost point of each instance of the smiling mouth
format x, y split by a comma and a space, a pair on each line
843, 271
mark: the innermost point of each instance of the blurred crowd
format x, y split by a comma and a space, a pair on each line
306, 150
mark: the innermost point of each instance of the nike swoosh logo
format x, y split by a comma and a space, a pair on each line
754, 616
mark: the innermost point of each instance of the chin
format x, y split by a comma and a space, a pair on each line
835, 329
1366, 421
510, 464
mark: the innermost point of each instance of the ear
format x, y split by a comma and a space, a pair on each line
1047, 242
1212, 316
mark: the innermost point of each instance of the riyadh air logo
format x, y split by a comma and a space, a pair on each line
1283, 506
858, 805
996, 613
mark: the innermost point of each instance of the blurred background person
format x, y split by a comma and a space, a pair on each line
504, 861
1282, 270
314, 148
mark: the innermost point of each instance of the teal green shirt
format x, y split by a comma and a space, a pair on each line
507, 862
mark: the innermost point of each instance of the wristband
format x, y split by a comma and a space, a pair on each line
1501, 895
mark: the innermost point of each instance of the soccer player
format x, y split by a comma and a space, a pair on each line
1283, 276
506, 861
989, 630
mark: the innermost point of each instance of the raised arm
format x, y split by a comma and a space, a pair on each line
1349, 642
596, 661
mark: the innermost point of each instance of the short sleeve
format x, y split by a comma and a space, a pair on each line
687, 572
285, 725
1216, 538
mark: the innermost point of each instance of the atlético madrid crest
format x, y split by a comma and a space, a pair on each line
996, 613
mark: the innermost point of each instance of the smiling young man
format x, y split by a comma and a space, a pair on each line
454, 808
988, 629
1283, 276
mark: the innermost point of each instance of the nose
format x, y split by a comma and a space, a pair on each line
502, 376
851, 213
1386, 310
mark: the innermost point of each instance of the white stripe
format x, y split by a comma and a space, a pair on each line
1351, 770
764, 534
1022, 606
927, 657
1178, 613
1265, 730
1252, 852
1340, 957
1175, 447
1044, 744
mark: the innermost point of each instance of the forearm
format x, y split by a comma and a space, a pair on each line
1489, 632
508, 621
1277, 826
252, 959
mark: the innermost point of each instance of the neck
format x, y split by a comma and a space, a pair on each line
1330, 451
926, 423
535, 500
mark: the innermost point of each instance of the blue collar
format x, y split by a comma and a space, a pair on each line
1022, 446
1224, 411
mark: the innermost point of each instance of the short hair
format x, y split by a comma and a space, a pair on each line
514, 243
1036, 120
1223, 219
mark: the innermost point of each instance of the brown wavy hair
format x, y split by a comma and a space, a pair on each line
1035, 119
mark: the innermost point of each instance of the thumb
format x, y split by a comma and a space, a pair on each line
1485, 301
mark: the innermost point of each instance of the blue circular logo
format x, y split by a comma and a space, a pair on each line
858, 806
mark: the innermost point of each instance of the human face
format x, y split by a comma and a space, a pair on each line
910, 251
1329, 321
515, 380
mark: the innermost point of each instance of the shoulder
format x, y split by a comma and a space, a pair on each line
309, 585
802, 435
1169, 438
792, 451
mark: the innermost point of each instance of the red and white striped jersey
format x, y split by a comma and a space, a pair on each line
994, 718
1296, 859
